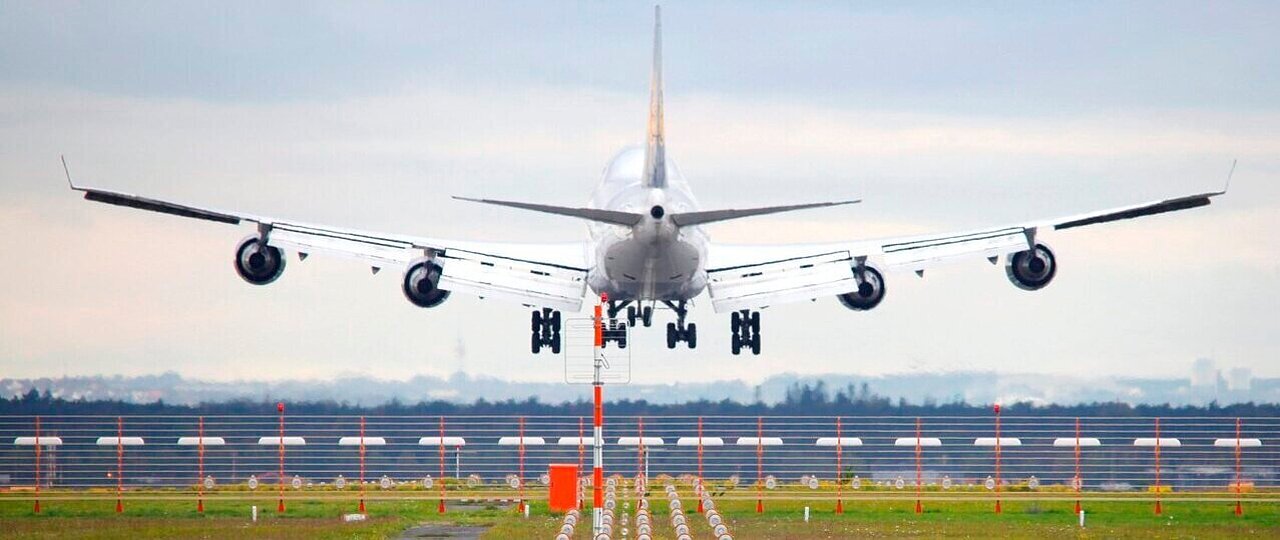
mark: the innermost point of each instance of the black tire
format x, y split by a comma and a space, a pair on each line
691, 336
536, 325
755, 322
646, 316
736, 345
671, 335
536, 344
555, 343
622, 341
755, 344
632, 316
735, 322
555, 321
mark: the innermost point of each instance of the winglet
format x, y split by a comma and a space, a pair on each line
1227, 185
67, 170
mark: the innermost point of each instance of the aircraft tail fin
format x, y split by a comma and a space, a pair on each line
655, 156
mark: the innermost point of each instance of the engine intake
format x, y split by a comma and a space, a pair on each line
870, 290
422, 284
257, 263
1032, 269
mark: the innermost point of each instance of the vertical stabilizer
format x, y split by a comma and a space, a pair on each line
655, 157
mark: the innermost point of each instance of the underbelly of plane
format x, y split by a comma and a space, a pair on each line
635, 270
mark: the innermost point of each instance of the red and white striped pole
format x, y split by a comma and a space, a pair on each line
280, 484
597, 427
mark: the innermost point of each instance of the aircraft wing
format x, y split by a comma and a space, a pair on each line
751, 277
549, 275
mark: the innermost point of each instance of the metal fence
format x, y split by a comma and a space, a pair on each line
745, 457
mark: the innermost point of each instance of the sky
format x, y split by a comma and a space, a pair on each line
941, 116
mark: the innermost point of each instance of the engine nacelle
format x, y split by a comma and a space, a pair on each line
257, 263
1032, 269
422, 283
870, 290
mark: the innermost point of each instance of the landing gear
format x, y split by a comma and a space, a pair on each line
678, 331
546, 331
746, 331
642, 314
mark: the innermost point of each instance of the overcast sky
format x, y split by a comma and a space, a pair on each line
941, 116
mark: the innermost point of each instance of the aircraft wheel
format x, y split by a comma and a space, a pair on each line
736, 345
537, 321
671, 335
646, 316
755, 322
735, 322
536, 345
555, 343
691, 336
555, 321
755, 344
632, 315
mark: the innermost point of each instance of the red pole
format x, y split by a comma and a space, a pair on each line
280, 482
520, 479
640, 470
919, 468
362, 486
702, 485
200, 467
759, 464
581, 458
440, 507
119, 463
839, 468
997, 408
37, 465
597, 469
1158, 510
1079, 483
1239, 509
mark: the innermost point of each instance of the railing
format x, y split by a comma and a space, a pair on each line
450, 457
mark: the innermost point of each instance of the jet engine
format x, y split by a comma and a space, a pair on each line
422, 283
257, 263
870, 289
1032, 269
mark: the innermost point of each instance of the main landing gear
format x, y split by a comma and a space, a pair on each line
678, 331
546, 330
746, 331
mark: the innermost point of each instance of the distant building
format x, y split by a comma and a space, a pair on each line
1239, 379
1204, 373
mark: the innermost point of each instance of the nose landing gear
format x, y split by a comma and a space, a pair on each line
546, 331
746, 331
679, 331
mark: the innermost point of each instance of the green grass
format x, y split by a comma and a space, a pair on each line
782, 519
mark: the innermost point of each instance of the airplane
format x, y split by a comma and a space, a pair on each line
646, 247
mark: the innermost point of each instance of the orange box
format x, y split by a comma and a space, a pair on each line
563, 494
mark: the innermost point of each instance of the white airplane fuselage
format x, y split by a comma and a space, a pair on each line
655, 260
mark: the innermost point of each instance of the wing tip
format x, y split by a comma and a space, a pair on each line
67, 170
1231, 172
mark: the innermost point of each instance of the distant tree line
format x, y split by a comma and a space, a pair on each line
800, 399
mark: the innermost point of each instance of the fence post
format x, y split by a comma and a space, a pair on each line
200, 466
1078, 484
1158, 509
119, 464
919, 468
440, 507
1239, 509
520, 478
37, 463
362, 486
280, 480
997, 409
702, 486
839, 468
759, 465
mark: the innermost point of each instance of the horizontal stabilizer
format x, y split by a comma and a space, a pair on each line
686, 219
613, 217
